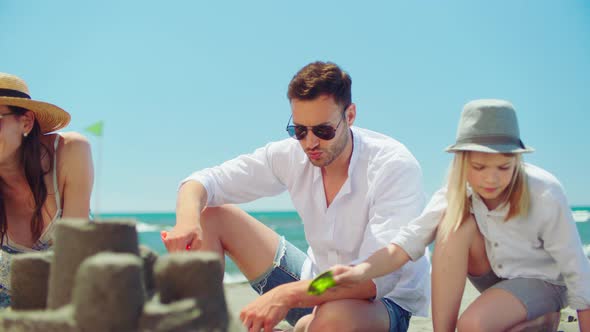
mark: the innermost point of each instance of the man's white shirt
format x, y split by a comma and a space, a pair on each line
382, 194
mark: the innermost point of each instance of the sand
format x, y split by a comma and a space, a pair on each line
239, 295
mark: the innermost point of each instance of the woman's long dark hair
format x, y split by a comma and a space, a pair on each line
32, 152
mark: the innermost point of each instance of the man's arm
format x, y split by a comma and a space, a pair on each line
296, 293
239, 180
191, 200
269, 309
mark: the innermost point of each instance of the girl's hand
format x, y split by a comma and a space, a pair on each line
349, 275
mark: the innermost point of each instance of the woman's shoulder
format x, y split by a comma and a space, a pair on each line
71, 146
65, 139
72, 143
73, 138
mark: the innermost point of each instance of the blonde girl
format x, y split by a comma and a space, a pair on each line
504, 224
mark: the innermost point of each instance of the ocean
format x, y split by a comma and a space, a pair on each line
285, 223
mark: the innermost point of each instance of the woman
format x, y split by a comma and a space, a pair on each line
504, 224
44, 176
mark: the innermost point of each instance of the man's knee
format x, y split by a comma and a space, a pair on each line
213, 216
331, 316
303, 323
212, 212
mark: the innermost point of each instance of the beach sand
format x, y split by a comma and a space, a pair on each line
239, 295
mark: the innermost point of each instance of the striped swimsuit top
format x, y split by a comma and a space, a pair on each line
10, 248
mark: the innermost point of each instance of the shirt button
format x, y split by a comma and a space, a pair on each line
499, 266
495, 244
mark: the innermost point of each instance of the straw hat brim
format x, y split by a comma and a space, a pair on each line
489, 148
49, 116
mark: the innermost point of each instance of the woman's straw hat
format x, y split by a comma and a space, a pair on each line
489, 125
14, 92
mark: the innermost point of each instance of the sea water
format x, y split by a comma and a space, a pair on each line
286, 223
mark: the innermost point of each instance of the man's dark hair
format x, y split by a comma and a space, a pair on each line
321, 79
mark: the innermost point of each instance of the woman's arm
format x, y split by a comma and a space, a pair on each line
76, 170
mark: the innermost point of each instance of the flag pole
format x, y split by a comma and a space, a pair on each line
98, 177
96, 130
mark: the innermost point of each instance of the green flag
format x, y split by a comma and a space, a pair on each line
95, 129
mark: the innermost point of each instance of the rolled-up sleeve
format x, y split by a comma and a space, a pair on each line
242, 179
562, 241
421, 231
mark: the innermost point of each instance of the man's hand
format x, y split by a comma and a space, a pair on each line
182, 238
187, 234
265, 312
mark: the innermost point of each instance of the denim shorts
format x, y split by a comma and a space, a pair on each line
538, 296
286, 268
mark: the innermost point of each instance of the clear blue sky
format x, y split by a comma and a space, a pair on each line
183, 85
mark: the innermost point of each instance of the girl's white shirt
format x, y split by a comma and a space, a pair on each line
543, 245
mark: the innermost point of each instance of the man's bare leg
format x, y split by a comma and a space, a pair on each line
250, 244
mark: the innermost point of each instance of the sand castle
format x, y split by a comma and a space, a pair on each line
97, 279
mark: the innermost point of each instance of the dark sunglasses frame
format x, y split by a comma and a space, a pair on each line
324, 132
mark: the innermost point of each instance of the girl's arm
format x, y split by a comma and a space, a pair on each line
384, 261
562, 241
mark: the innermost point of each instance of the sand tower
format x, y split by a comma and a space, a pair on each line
97, 279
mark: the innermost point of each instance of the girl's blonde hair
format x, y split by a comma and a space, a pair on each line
458, 207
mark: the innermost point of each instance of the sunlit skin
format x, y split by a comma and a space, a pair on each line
74, 159
11, 128
489, 174
324, 111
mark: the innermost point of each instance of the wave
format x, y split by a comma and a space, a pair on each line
234, 278
145, 227
581, 215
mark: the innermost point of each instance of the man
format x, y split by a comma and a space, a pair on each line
353, 189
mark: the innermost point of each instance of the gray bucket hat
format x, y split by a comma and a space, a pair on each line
489, 125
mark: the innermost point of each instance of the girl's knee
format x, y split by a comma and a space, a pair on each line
470, 322
462, 236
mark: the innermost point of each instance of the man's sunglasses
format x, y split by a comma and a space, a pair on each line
325, 132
